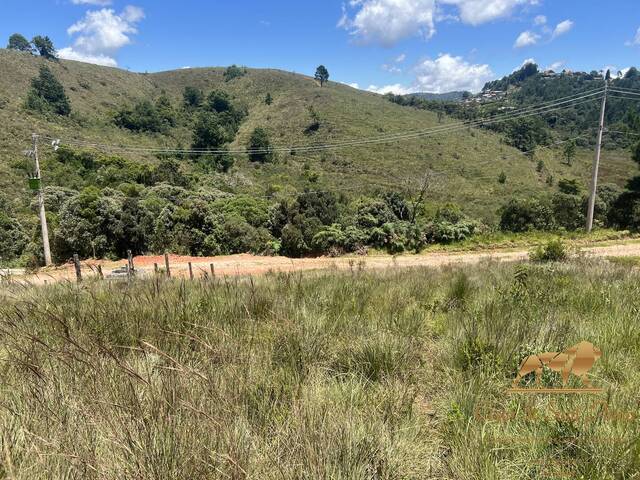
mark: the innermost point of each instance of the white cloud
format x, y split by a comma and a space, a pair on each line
448, 73
385, 22
400, 58
396, 88
391, 68
540, 20
562, 28
476, 12
557, 66
101, 34
444, 74
526, 39
635, 41
69, 53
100, 3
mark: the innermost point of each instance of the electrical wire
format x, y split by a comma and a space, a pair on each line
384, 138
316, 148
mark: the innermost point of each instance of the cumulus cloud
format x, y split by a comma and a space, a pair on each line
476, 12
446, 73
101, 33
99, 3
526, 39
385, 22
562, 28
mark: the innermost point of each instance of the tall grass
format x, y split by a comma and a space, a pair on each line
396, 374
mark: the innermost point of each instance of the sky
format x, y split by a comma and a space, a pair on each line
401, 46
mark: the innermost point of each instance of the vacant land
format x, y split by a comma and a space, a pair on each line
395, 374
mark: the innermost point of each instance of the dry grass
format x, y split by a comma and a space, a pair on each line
397, 374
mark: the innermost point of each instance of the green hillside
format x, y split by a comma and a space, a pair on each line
466, 163
469, 161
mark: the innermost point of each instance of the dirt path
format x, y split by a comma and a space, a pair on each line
238, 265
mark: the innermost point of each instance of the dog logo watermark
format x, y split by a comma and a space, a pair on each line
577, 360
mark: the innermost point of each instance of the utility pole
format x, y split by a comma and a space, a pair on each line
43, 217
596, 161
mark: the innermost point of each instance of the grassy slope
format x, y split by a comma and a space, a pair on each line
469, 161
393, 375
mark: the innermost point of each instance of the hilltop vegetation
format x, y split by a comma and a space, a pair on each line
396, 196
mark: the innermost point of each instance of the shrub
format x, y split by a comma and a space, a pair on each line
523, 215
552, 251
233, 72
47, 94
192, 97
144, 116
259, 146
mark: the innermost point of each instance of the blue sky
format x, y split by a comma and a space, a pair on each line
381, 45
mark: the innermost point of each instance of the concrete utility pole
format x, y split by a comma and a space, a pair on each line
596, 161
43, 217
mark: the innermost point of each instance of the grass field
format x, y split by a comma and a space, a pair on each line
399, 374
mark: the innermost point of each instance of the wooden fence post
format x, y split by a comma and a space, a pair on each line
155, 268
166, 264
76, 262
213, 271
132, 268
190, 271
100, 274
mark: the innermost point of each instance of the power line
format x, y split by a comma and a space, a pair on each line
559, 105
382, 138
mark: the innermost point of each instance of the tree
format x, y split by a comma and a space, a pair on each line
322, 75
208, 133
143, 117
234, 72
268, 99
47, 94
18, 42
45, 47
259, 146
192, 97
569, 151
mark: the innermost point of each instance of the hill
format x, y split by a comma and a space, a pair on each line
466, 163
445, 97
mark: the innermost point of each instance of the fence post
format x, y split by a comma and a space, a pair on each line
166, 264
76, 262
130, 260
155, 268
100, 274
213, 271
190, 271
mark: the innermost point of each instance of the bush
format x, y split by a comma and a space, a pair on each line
523, 215
553, 251
259, 146
47, 94
142, 117
233, 72
192, 97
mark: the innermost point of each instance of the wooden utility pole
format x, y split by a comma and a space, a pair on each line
43, 217
596, 162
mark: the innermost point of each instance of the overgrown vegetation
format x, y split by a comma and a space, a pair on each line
396, 375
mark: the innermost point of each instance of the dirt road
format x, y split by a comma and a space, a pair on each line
238, 265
